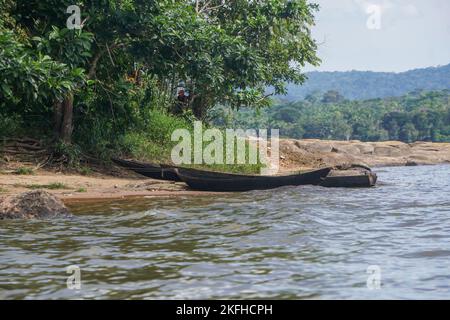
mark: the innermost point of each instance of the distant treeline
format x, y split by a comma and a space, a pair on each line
358, 85
419, 115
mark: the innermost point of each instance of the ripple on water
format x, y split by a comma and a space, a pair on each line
293, 242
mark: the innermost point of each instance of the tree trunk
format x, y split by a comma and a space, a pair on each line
66, 125
57, 118
199, 105
63, 118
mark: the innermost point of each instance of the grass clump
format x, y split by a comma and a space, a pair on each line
85, 171
51, 186
81, 190
24, 171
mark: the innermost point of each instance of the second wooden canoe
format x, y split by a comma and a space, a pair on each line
350, 180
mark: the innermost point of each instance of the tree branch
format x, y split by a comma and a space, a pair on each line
94, 63
99, 54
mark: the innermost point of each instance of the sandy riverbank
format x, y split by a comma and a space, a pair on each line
96, 187
294, 155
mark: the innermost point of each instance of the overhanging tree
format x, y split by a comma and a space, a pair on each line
227, 52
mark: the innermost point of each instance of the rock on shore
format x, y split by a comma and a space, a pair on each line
317, 153
32, 205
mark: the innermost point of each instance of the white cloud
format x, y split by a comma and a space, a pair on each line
410, 10
383, 5
413, 34
400, 7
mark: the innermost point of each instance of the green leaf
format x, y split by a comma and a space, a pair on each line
7, 90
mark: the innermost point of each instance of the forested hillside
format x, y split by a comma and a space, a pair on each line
370, 85
419, 115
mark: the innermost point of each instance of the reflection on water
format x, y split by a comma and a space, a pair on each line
293, 242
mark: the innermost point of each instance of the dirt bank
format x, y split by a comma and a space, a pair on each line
71, 187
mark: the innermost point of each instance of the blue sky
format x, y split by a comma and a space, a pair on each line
402, 34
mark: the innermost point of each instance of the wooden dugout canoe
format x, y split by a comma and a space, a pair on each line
216, 181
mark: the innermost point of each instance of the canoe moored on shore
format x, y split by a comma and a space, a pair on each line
216, 181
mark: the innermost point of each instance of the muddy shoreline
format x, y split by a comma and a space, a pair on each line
295, 155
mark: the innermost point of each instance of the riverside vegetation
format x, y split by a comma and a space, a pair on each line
109, 88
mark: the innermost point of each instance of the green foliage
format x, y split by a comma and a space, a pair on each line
154, 143
11, 125
30, 77
248, 168
140, 147
69, 154
153, 140
73, 48
236, 168
228, 53
32, 80
416, 116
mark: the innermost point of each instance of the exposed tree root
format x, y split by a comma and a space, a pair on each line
40, 154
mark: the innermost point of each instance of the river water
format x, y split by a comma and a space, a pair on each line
289, 243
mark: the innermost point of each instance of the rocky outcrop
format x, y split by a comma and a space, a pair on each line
32, 205
318, 153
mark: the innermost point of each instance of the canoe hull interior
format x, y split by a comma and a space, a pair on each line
129, 164
149, 170
218, 182
159, 174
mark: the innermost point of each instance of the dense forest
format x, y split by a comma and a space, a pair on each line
114, 76
419, 115
357, 85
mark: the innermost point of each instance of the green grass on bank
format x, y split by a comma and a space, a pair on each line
24, 171
154, 145
146, 150
51, 186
